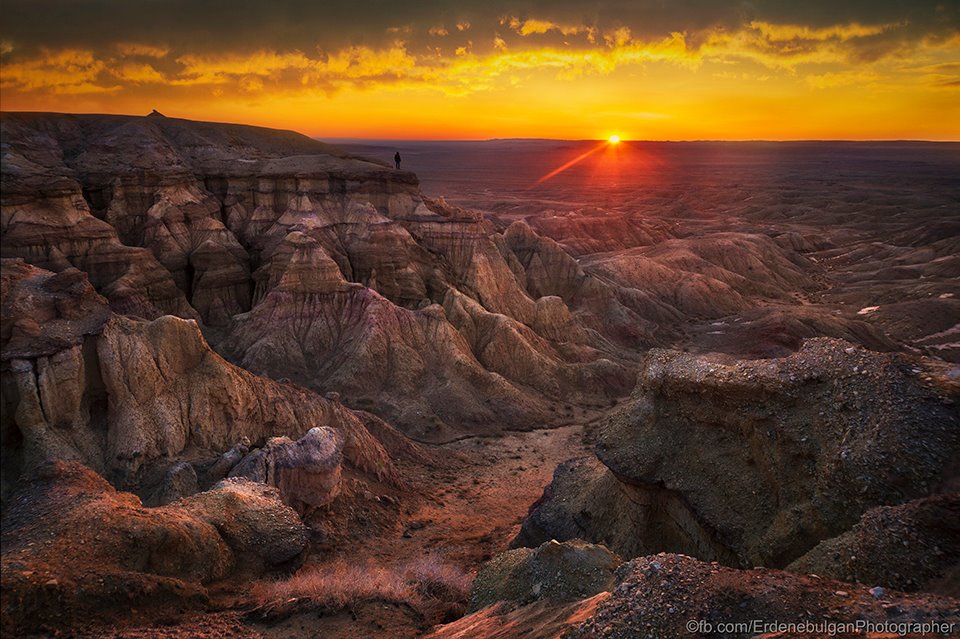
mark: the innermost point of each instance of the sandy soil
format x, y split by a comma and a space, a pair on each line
477, 507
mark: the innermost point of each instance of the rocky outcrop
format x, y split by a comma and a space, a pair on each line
910, 547
677, 596
669, 595
585, 500
755, 462
299, 264
162, 213
306, 471
414, 368
46, 220
129, 397
260, 530
556, 571
709, 276
75, 549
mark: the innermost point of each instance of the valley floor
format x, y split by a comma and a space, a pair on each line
465, 512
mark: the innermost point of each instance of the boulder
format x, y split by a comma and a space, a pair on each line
262, 532
557, 571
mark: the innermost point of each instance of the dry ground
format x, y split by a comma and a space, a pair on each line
456, 514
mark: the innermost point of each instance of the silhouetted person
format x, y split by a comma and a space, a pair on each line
396, 159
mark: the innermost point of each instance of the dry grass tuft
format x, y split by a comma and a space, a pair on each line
342, 585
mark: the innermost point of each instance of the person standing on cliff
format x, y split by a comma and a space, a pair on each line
396, 159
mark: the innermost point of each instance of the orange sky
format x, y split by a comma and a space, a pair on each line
520, 76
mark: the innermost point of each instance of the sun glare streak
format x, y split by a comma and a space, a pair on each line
564, 167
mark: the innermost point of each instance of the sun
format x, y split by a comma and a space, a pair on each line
614, 139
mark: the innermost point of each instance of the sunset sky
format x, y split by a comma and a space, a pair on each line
694, 69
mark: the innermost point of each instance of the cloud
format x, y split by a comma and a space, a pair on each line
137, 74
840, 79
144, 50
788, 46
69, 71
217, 26
198, 69
816, 56
534, 26
294, 71
841, 32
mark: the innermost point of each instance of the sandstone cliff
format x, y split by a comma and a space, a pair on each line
127, 396
300, 262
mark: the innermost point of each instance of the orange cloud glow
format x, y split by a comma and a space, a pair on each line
532, 78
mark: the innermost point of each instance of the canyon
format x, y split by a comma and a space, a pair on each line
257, 385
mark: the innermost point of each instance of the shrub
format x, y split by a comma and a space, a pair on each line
342, 585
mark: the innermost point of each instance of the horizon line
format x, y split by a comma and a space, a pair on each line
647, 140
322, 138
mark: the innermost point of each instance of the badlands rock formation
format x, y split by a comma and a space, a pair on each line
306, 471
128, 397
755, 462
74, 547
220, 343
301, 263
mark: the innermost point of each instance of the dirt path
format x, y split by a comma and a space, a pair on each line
477, 508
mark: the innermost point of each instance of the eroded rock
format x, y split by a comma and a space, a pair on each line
263, 533
306, 471
129, 397
76, 548
755, 462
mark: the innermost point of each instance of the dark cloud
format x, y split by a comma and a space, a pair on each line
235, 25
